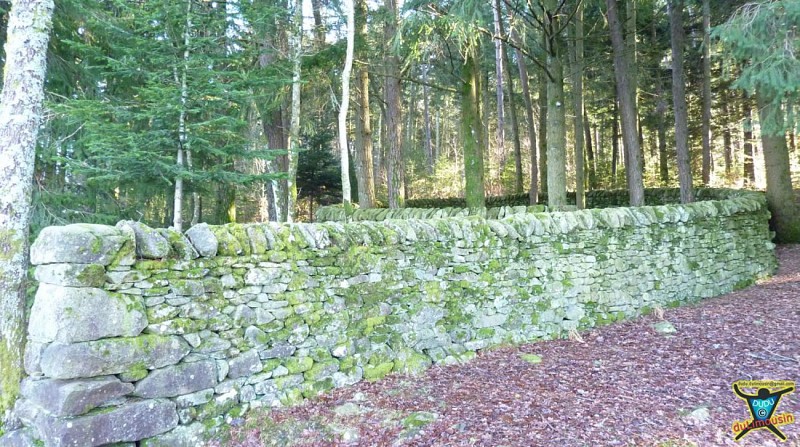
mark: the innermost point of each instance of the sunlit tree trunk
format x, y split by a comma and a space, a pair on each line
28, 27
556, 110
627, 102
296, 47
706, 121
394, 165
183, 143
362, 152
749, 153
780, 195
679, 101
344, 104
500, 136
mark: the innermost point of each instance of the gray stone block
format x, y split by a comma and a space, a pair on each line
184, 436
73, 397
246, 364
149, 243
73, 314
78, 244
178, 379
72, 275
203, 240
112, 356
127, 423
18, 438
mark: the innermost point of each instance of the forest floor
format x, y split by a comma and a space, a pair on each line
624, 385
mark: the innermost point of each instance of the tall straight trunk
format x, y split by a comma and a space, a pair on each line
512, 112
543, 130
556, 112
319, 28
577, 101
20, 111
747, 129
589, 151
614, 141
679, 101
706, 93
661, 121
631, 59
195, 194
627, 102
780, 195
344, 104
183, 143
727, 144
500, 136
471, 130
394, 167
362, 152
296, 44
533, 193
430, 159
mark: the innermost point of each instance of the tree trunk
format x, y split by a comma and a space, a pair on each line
319, 28
780, 196
430, 158
362, 152
614, 141
543, 130
296, 44
471, 130
726, 135
512, 111
556, 112
747, 129
20, 111
679, 101
533, 193
183, 143
661, 122
577, 100
498, 63
345, 103
627, 102
592, 169
394, 165
706, 93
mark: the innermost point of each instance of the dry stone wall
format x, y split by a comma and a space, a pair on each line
138, 334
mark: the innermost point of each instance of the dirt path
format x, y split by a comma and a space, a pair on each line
624, 385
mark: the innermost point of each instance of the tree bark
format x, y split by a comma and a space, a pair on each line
500, 136
362, 152
556, 112
590, 152
296, 44
577, 100
345, 104
679, 101
533, 193
726, 135
627, 102
749, 153
183, 143
29, 24
614, 140
706, 93
430, 158
512, 111
471, 130
780, 195
394, 167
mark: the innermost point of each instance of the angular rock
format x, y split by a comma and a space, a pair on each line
127, 423
33, 357
71, 314
149, 243
178, 379
73, 397
72, 275
203, 240
181, 247
247, 364
183, 436
18, 438
78, 244
112, 356
262, 276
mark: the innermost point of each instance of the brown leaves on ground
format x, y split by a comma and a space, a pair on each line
624, 385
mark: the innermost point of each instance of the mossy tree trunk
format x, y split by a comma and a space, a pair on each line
471, 130
679, 101
29, 25
362, 153
780, 195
